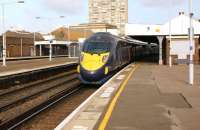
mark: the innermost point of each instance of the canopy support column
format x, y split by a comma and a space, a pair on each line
160, 40
40, 50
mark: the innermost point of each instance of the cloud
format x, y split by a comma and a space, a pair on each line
161, 3
65, 6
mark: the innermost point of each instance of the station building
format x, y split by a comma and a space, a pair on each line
97, 27
19, 43
64, 41
160, 36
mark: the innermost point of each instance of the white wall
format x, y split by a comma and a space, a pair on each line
142, 29
180, 48
53, 43
179, 26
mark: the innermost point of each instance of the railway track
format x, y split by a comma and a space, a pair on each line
20, 103
18, 95
50, 118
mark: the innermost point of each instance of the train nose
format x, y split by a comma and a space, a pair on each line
91, 76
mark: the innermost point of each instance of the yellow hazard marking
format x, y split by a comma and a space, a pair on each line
108, 114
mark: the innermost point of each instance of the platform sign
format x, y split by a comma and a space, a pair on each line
49, 37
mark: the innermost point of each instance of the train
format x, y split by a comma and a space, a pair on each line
101, 56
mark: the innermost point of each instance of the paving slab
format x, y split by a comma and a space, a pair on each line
175, 80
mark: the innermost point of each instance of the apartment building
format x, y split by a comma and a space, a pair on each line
113, 12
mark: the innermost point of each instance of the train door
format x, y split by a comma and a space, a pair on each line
118, 55
1, 51
11, 52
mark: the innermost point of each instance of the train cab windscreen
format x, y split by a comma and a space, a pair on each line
96, 47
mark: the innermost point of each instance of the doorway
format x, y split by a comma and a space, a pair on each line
148, 53
199, 55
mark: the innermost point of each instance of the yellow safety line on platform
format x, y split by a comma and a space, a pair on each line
107, 116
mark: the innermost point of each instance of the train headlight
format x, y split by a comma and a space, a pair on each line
78, 68
81, 57
105, 58
106, 70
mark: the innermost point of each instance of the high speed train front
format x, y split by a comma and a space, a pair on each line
93, 67
102, 55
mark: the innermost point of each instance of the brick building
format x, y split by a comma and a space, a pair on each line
61, 40
71, 34
96, 27
19, 44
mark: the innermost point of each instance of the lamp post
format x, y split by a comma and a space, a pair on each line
4, 30
170, 35
50, 50
51, 40
34, 44
4, 35
21, 44
191, 47
40, 46
170, 42
68, 37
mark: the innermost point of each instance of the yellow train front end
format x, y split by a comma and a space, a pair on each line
92, 68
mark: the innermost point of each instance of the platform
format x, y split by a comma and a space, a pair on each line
21, 66
30, 58
141, 97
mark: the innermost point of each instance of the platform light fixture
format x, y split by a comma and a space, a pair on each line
20, 1
62, 16
3, 28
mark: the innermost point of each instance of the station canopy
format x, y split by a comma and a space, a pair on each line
179, 27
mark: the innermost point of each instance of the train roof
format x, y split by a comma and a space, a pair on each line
117, 38
109, 35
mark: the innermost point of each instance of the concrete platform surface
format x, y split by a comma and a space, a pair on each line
146, 97
19, 66
87, 115
29, 58
157, 98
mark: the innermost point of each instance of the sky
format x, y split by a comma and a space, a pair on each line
23, 16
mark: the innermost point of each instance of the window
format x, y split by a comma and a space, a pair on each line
96, 47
